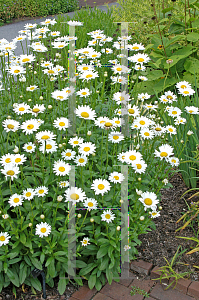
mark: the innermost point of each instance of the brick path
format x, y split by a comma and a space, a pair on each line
185, 289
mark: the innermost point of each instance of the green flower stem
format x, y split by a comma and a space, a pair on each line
82, 221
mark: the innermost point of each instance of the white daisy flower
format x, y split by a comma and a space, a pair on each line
150, 107
190, 132
180, 120
48, 22
38, 108
87, 148
59, 95
28, 194
41, 191
174, 112
51, 72
30, 26
143, 96
43, 229
85, 112
142, 122
24, 59
174, 161
46, 135
186, 92
136, 47
121, 157
90, 203
115, 137
133, 111
15, 200
61, 123
127, 247
76, 141
30, 126
84, 67
68, 154
139, 58
69, 90
63, 184
139, 67
49, 147
116, 177
10, 171
87, 75
108, 216
170, 129
143, 78
119, 79
132, 157
59, 45
21, 108
61, 168
117, 122
47, 64
171, 96
81, 160
75, 195
7, 159
4, 238
183, 85
5, 216
84, 93
139, 166
10, 125
100, 186
164, 151
29, 147
149, 200
121, 97
158, 130
74, 23
120, 69
16, 70
154, 214
146, 133
192, 110
85, 241
19, 159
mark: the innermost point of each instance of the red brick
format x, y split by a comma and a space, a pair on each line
71, 298
84, 293
182, 284
127, 281
156, 274
193, 289
159, 293
100, 296
143, 284
117, 291
141, 266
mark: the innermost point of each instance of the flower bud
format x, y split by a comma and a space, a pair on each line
8, 117
139, 179
118, 228
60, 146
160, 207
41, 98
89, 133
30, 224
93, 154
142, 218
79, 215
92, 220
42, 216
59, 198
50, 107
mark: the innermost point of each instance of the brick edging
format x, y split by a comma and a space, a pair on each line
185, 286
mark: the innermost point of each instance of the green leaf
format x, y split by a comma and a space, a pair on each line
104, 263
102, 251
80, 264
86, 270
193, 37
49, 261
91, 281
192, 65
60, 253
23, 238
14, 260
62, 284
36, 262
109, 276
51, 268
42, 257
36, 283
22, 274
13, 276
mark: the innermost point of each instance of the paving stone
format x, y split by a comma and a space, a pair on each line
127, 281
141, 266
84, 293
143, 284
159, 293
156, 274
193, 289
100, 296
117, 291
182, 284
71, 298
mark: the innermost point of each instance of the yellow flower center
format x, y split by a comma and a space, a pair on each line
173, 160
135, 48
21, 109
25, 59
68, 154
86, 149
119, 69
186, 92
84, 114
90, 204
140, 59
75, 142
17, 160
116, 177
89, 75
19, 39
8, 160
146, 134
10, 172
142, 122
158, 129
121, 98
16, 200
163, 154
74, 196
60, 46
148, 201
101, 186
2, 238
84, 93
190, 111
16, 71
61, 124
169, 97
107, 216
28, 194
183, 86
41, 191
51, 72
81, 160
61, 169
85, 242
131, 111
29, 147
132, 157
174, 112
36, 110
139, 166
115, 137
45, 137
108, 124
43, 229
123, 156
170, 129
30, 126
10, 126
117, 122
48, 146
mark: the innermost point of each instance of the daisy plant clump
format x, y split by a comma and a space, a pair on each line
48, 174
